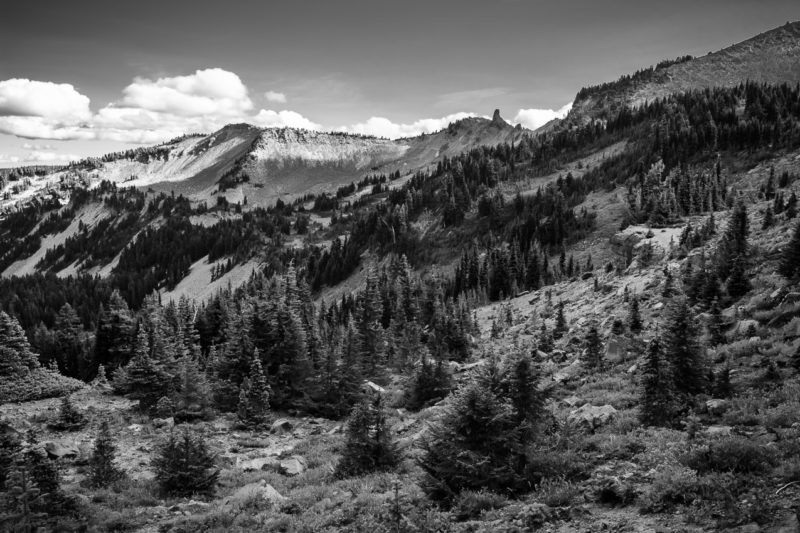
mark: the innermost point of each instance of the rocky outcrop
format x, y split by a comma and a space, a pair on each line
591, 417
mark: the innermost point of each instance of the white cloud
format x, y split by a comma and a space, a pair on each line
271, 119
275, 97
43, 128
536, 118
210, 91
29, 146
5, 158
40, 156
383, 127
56, 101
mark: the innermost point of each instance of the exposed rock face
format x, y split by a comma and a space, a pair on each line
592, 417
57, 450
260, 490
716, 407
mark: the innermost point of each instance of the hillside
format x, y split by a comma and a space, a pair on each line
770, 57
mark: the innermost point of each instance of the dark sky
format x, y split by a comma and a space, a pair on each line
341, 62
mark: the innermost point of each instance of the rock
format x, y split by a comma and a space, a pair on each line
791, 298
752, 527
790, 524
535, 515
293, 466
163, 422
260, 490
57, 450
334, 430
743, 326
717, 406
658, 306
568, 372
259, 463
281, 426
370, 386
718, 431
572, 401
633, 368
136, 428
194, 506
591, 416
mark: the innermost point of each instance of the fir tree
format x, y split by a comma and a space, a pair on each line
368, 447
476, 446
429, 384
527, 401
593, 355
715, 334
682, 348
561, 323
184, 466
102, 470
544, 342
634, 318
738, 283
790, 258
253, 409
657, 398
16, 356
769, 218
193, 399
69, 418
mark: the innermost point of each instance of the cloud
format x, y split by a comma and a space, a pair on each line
42, 128
210, 91
275, 97
29, 146
55, 101
40, 156
271, 119
383, 127
536, 118
5, 158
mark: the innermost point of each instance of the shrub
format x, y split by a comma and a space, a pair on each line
69, 418
36, 385
556, 492
672, 485
471, 504
184, 466
730, 454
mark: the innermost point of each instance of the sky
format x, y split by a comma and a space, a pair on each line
87, 77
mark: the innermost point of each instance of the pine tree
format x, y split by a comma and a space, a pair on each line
657, 398
738, 283
10, 447
715, 325
561, 322
682, 348
522, 382
193, 399
634, 318
796, 359
430, 383
16, 356
69, 418
593, 355
544, 343
253, 409
102, 470
769, 218
115, 332
184, 466
368, 447
790, 259
476, 446
149, 376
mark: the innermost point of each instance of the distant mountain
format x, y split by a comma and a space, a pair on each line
264, 164
770, 57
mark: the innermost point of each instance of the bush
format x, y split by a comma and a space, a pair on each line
732, 454
556, 492
69, 418
471, 504
184, 466
37, 384
672, 485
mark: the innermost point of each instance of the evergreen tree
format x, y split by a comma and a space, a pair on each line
10, 447
682, 348
796, 358
545, 343
193, 399
715, 326
102, 470
593, 355
769, 218
149, 376
184, 466
738, 283
254, 397
527, 402
790, 258
791, 207
16, 356
115, 331
634, 318
69, 418
430, 383
561, 322
475, 447
368, 447
657, 397
722, 383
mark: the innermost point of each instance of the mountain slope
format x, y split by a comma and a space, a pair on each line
770, 57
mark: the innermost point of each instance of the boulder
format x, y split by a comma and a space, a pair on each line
718, 431
259, 491
716, 406
334, 430
56, 450
163, 422
745, 325
592, 416
572, 401
281, 425
293, 466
